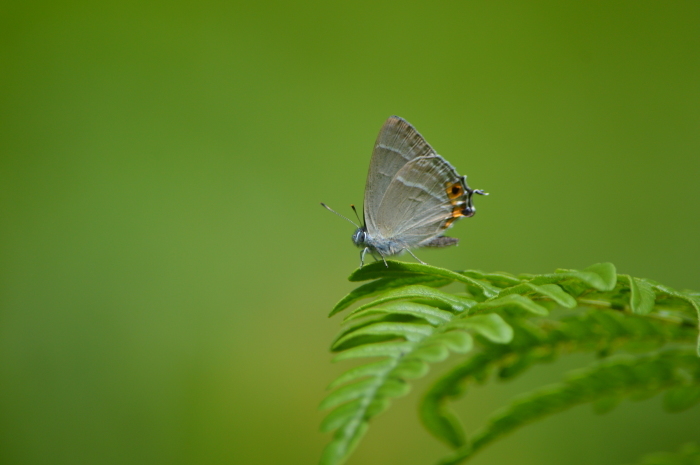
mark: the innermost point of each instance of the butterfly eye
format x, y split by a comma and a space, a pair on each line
359, 236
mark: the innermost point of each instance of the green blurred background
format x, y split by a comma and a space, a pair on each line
166, 270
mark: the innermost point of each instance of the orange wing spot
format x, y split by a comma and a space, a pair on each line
457, 212
448, 223
454, 190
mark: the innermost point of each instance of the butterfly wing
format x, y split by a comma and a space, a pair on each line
424, 199
397, 144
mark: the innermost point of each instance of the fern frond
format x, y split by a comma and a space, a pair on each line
601, 331
366, 390
412, 324
613, 378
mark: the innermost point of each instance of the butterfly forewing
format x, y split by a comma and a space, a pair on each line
397, 144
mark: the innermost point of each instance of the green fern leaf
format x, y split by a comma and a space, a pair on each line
385, 284
429, 313
386, 349
410, 331
370, 369
642, 296
688, 298
423, 294
600, 276
457, 341
341, 416
490, 325
498, 279
402, 269
347, 393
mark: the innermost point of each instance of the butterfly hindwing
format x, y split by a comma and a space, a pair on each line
422, 201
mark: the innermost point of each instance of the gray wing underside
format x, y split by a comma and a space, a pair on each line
397, 144
416, 207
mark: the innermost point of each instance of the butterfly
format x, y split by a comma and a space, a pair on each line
412, 196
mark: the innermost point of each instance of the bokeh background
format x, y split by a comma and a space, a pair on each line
166, 270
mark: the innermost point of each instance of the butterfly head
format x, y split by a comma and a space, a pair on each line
359, 238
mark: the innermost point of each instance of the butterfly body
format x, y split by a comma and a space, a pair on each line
385, 247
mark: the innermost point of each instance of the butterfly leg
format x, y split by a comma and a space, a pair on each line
374, 256
421, 261
362, 256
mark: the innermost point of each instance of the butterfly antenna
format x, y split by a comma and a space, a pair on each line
356, 214
342, 216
